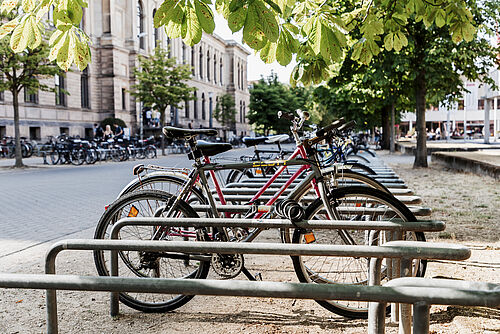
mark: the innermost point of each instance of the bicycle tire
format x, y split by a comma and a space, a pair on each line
331, 270
147, 202
150, 152
54, 157
77, 157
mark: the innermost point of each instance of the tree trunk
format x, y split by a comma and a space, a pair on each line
386, 125
392, 137
162, 136
420, 92
19, 154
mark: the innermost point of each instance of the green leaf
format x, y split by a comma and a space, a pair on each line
173, 29
19, 40
389, 41
398, 45
440, 18
161, 13
63, 56
268, 53
468, 32
235, 5
75, 12
267, 20
193, 27
236, 19
205, 16
222, 7
8, 27
36, 39
175, 14
402, 38
283, 52
8, 5
429, 17
329, 45
253, 33
57, 43
82, 55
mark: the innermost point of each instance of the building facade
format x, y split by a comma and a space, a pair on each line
120, 31
469, 110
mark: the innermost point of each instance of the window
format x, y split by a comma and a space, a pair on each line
84, 89
201, 63
186, 108
183, 52
203, 106
231, 75
208, 65
192, 60
220, 71
195, 106
89, 133
3, 131
82, 22
169, 48
30, 96
140, 24
124, 99
480, 104
64, 131
244, 112
239, 76
1, 96
242, 86
241, 111
460, 104
215, 69
60, 96
156, 34
35, 133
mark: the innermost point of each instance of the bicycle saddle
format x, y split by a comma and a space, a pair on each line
277, 138
210, 149
249, 141
173, 132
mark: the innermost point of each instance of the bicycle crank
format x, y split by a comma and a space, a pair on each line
227, 265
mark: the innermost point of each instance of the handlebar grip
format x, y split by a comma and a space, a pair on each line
347, 126
321, 132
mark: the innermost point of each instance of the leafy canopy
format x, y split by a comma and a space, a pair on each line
318, 32
225, 111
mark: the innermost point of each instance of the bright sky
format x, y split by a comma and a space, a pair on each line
256, 67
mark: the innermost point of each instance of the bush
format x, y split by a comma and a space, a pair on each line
111, 121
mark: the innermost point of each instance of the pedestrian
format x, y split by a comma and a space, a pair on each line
118, 131
98, 131
108, 134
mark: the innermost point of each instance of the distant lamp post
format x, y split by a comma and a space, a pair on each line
210, 120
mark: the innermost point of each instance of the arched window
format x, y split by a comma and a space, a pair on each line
195, 106
183, 52
215, 69
241, 111
239, 73
169, 47
244, 112
156, 32
220, 72
242, 72
192, 60
208, 65
201, 63
186, 108
203, 106
84, 88
140, 24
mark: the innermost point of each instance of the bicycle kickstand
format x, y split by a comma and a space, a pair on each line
257, 277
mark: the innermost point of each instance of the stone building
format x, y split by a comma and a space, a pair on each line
121, 30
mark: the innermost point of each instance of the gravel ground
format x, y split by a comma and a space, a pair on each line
467, 203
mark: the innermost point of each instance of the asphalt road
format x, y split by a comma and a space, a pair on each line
41, 204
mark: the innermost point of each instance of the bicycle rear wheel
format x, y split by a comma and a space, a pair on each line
149, 203
354, 204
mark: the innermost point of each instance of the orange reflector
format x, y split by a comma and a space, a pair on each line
133, 212
358, 205
106, 207
309, 237
258, 171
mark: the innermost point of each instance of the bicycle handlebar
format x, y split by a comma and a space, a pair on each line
347, 126
321, 132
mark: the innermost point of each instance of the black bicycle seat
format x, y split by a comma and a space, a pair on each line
249, 141
209, 149
173, 132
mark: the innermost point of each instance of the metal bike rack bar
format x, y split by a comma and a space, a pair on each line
405, 250
476, 294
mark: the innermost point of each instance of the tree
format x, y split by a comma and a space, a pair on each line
161, 82
318, 32
24, 70
225, 112
267, 97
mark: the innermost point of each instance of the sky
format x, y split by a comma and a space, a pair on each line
256, 67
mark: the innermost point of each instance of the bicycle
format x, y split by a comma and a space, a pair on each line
356, 203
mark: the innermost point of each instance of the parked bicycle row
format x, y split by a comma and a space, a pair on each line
64, 149
8, 147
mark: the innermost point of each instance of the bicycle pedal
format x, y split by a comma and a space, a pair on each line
258, 277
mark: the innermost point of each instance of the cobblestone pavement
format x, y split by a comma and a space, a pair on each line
44, 203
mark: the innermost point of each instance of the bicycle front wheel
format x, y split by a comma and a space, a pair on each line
352, 204
149, 203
